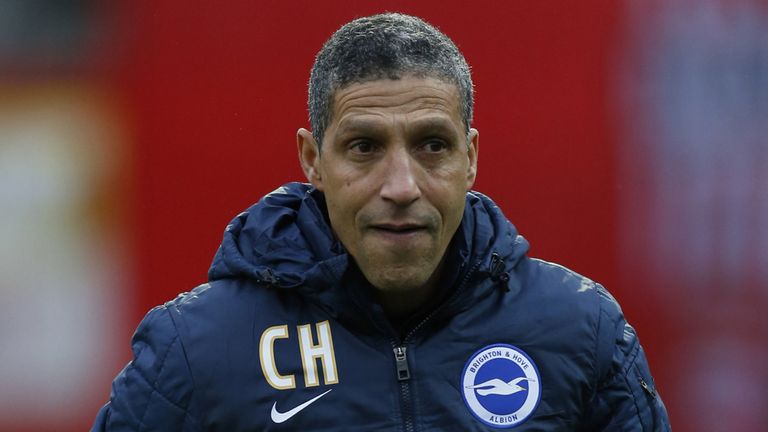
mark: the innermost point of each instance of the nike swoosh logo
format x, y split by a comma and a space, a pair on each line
279, 417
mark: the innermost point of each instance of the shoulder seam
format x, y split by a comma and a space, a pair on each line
603, 370
153, 383
630, 363
598, 323
184, 355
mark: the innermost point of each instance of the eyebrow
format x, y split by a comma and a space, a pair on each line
357, 125
434, 124
425, 124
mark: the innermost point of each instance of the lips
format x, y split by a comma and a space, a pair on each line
394, 228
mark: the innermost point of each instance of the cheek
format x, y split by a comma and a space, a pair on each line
453, 205
452, 172
342, 181
450, 186
339, 212
344, 206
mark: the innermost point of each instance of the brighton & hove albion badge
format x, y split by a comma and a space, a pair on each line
501, 385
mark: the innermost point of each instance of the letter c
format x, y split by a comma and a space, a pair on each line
267, 358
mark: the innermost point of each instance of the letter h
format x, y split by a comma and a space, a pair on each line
323, 350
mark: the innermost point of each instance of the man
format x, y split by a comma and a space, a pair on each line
386, 295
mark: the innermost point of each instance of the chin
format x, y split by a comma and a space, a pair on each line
398, 279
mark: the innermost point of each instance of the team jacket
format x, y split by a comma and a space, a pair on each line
286, 336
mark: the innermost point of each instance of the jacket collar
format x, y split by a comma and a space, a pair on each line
285, 241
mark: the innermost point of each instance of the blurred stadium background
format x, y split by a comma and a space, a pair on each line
627, 140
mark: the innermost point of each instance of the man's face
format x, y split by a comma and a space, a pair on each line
395, 167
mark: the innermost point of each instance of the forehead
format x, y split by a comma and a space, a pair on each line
407, 95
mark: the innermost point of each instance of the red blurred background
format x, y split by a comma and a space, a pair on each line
625, 141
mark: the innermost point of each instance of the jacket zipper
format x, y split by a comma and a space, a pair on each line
401, 361
403, 376
400, 349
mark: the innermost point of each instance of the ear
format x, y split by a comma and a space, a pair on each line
473, 147
309, 156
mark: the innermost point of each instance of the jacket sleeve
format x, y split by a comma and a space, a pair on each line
153, 392
626, 398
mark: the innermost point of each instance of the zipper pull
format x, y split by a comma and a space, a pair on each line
497, 271
401, 361
651, 392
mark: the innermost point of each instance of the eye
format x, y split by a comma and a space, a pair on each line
434, 145
362, 146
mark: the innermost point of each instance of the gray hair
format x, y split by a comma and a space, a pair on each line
389, 45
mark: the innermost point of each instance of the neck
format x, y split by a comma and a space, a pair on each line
399, 306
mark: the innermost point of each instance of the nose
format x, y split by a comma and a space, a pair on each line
400, 184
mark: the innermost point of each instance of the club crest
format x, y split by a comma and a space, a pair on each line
501, 385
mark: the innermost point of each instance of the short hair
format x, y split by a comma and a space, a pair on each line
389, 45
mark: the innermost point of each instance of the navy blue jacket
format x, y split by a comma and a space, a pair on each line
286, 336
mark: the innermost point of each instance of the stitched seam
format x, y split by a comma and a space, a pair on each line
630, 384
153, 385
628, 362
144, 329
634, 399
632, 356
642, 394
185, 357
146, 380
603, 318
611, 377
596, 358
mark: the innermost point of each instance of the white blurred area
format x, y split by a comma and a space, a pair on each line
61, 264
63, 241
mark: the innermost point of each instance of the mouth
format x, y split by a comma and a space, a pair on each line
399, 228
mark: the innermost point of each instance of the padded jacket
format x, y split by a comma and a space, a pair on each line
286, 335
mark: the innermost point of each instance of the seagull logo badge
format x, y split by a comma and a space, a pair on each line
501, 386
